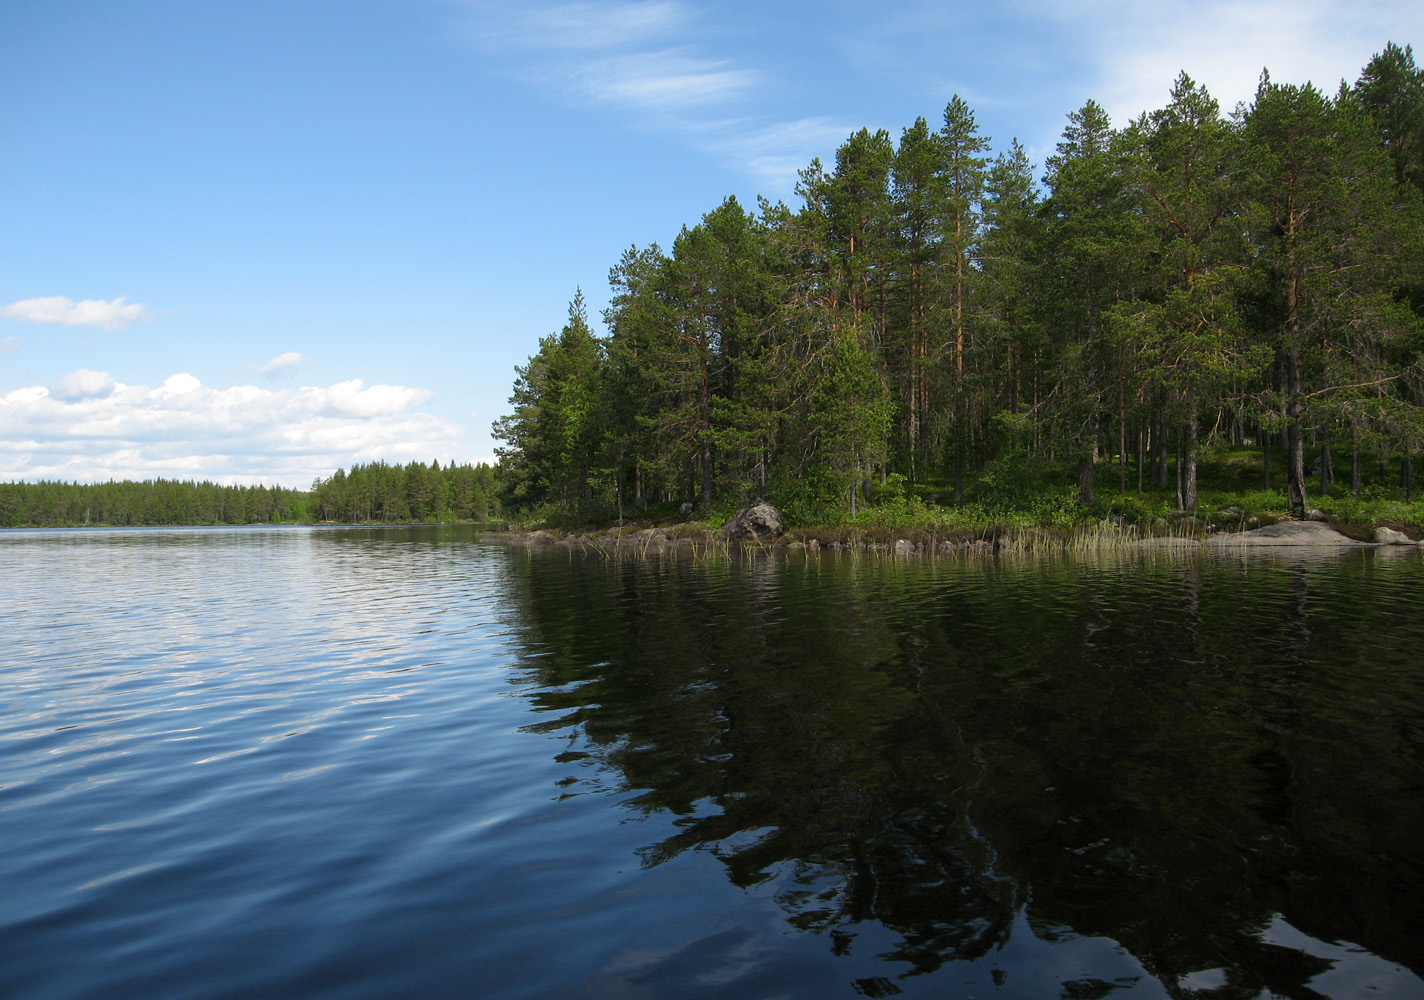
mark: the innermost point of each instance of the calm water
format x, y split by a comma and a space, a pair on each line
367, 763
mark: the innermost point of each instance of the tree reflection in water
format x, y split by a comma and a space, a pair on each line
1182, 756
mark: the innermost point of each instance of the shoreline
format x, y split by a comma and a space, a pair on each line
1295, 536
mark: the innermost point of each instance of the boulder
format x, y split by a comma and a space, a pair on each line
760, 522
1389, 536
645, 537
905, 547
1292, 534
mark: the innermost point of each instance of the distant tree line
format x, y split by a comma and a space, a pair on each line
927, 311
373, 492
149, 502
403, 493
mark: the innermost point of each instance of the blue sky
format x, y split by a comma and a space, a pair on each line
255, 241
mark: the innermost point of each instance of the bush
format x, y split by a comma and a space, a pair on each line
808, 501
1131, 509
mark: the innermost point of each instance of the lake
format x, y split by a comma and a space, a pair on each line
368, 763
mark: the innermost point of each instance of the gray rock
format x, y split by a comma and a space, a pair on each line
685, 511
1290, 534
1388, 536
1316, 515
644, 537
905, 547
813, 544
760, 522
1232, 512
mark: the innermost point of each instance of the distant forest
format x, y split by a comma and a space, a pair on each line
375, 492
1192, 281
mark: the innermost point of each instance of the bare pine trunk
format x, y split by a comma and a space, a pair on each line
1327, 464
1355, 466
1295, 440
1085, 479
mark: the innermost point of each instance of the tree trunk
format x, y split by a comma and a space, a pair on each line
1266, 451
1085, 478
1355, 466
1181, 500
1327, 464
1295, 467
1189, 484
707, 474
1121, 442
1140, 456
1162, 453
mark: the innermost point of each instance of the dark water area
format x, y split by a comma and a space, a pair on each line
362, 763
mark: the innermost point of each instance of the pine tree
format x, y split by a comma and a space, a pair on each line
1326, 221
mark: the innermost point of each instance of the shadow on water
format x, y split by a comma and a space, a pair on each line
1214, 762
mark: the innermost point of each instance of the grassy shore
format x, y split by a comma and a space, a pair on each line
1029, 507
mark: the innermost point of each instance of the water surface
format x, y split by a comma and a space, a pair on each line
376, 762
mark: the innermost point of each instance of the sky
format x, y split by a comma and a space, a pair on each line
253, 242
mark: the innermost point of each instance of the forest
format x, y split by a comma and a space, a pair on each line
937, 322
372, 492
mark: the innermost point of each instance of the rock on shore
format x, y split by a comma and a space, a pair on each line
761, 522
1286, 534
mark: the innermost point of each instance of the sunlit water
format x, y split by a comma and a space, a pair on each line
374, 763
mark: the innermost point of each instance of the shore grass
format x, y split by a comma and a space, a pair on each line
1053, 527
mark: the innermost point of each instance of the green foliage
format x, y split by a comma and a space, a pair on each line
806, 501
1131, 509
1372, 508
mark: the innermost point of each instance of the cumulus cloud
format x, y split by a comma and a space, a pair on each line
58, 310
89, 426
81, 384
282, 362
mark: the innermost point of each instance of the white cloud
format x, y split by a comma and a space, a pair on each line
776, 153
1136, 49
89, 426
282, 362
591, 25
9, 345
650, 60
81, 384
357, 399
62, 311
661, 81
634, 56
